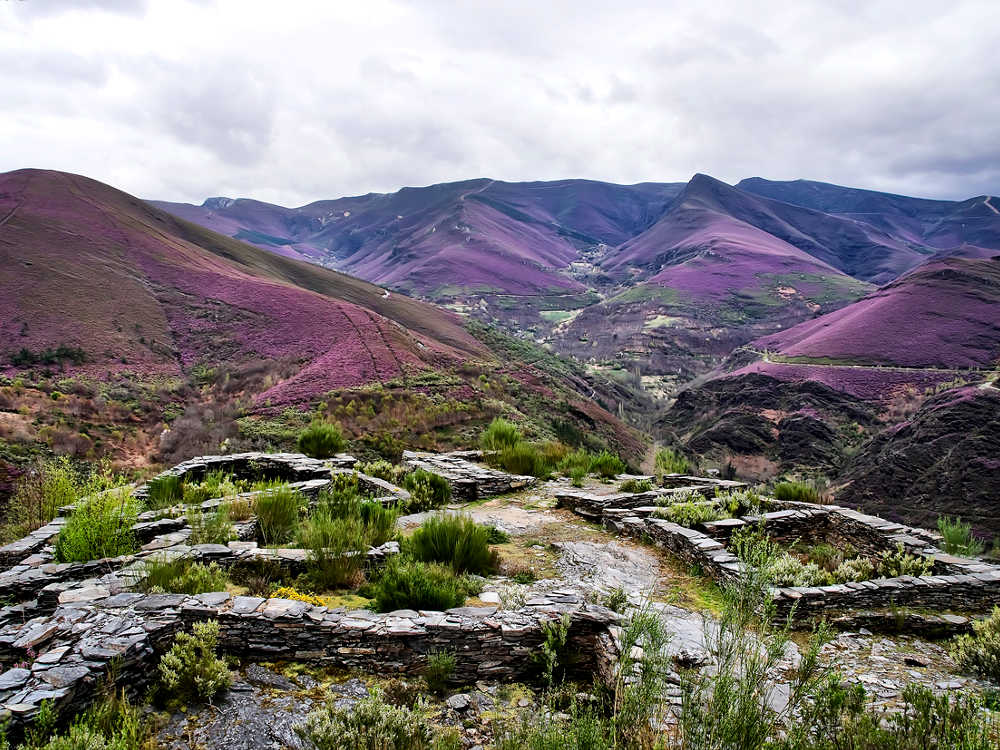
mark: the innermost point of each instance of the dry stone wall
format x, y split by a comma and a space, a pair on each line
957, 584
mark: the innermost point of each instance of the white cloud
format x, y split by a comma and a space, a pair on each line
292, 102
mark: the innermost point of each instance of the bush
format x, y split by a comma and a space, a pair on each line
379, 521
958, 538
112, 723
500, 435
787, 570
900, 563
210, 528
453, 540
799, 492
37, 497
100, 526
321, 440
635, 485
523, 458
370, 724
164, 491
277, 508
336, 548
427, 490
607, 465
496, 535
190, 671
383, 470
671, 461
439, 669
575, 464
856, 569
409, 584
180, 575
979, 652
691, 513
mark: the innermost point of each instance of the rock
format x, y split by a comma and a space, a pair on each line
490, 597
14, 678
459, 702
258, 675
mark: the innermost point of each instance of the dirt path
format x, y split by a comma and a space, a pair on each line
989, 205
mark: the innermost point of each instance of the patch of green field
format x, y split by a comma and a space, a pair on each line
556, 316
661, 321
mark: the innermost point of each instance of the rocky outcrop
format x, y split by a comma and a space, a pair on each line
468, 481
943, 460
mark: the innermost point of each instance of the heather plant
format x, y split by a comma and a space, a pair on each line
501, 434
181, 575
794, 491
855, 569
958, 538
100, 526
369, 724
787, 570
635, 485
427, 490
671, 461
454, 540
190, 671
277, 508
164, 491
979, 651
607, 465
321, 440
410, 584
739, 502
112, 723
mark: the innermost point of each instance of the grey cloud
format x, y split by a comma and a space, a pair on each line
181, 100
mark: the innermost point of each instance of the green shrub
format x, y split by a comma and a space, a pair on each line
112, 723
181, 575
370, 724
453, 540
607, 465
210, 528
409, 584
979, 652
787, 570
321, 440
164, 491
671, 461
496, 535
190, 671
277, 509
500, 435
336, 548
580, 729
439, 669
739, 502
691, 513
100, 526
575, 464
958, 538
427, 490
379, 521
856, 569
382, 469
635, 485
524, 459
799, 492
38, 495
900, 563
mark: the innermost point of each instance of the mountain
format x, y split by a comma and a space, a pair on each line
116, 313
934, 223
482, 236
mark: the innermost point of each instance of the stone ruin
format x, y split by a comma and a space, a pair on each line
956, 583
69, 625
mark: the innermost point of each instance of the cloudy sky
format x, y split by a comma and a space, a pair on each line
290, 101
